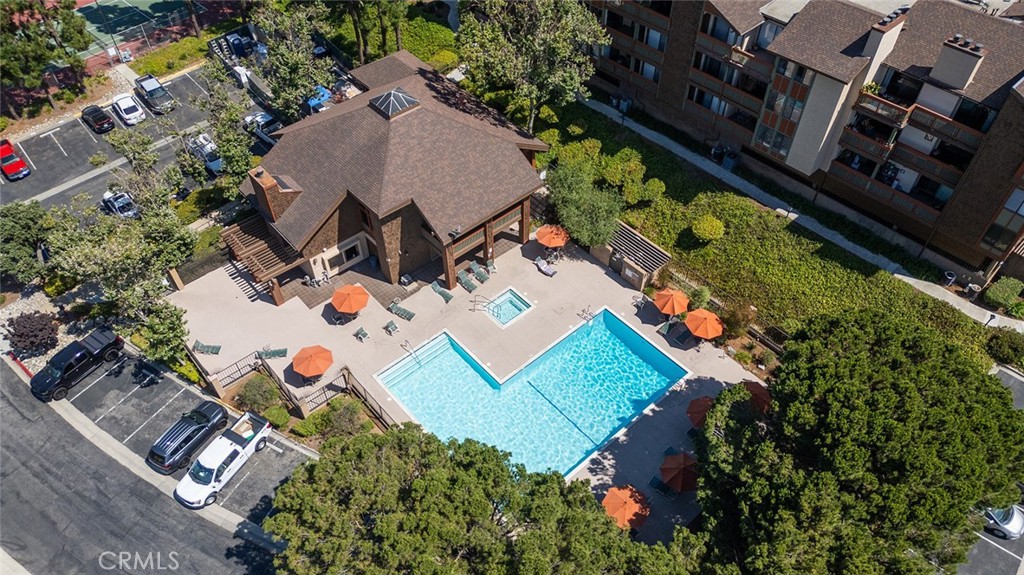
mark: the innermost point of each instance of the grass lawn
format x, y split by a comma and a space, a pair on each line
788, 272
180, 54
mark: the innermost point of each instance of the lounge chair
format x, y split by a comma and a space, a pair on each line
490, 267
665, 328
267, 353
200, 347
341, 318
661, 488
465, 282
401, 311
640, 301
361, 335
479, 272
545, 267
391, 328
447, 295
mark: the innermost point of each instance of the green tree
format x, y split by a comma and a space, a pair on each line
258, 393
390, 15
136, 147
588, 212
165, 331
21, 231
536, 48
289, 68
225, 115
885, 437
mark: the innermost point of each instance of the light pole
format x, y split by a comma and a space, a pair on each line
106, 26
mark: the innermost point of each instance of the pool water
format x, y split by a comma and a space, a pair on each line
553, 413
507, 306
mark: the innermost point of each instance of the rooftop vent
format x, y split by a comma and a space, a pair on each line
977, 47
885, 21
967, 42
957, 38
904, 9
393, 103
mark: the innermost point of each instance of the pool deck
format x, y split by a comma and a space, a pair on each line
220, 312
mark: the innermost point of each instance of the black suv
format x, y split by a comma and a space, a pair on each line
175, 447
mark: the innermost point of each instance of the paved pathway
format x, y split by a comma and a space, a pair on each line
975, 312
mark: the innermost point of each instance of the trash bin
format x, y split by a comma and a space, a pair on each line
729, 162
625, 104
950, 278
615, 102
972, 291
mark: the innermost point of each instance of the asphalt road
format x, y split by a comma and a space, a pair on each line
69, 508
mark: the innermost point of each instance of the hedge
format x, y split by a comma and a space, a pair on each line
278, 416
1004, 292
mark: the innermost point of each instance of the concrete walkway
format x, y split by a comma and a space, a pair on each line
764, 198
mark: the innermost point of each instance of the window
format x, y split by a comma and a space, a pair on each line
364, 217
1004, 230
769, 30
352, 252
795, 71
776, 142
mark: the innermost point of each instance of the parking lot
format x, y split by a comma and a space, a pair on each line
62, 153
134, 403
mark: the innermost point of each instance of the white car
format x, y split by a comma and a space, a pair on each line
1006, 523
262, 125
129, 109
219, 462
202, 147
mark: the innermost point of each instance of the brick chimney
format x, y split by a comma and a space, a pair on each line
958, 62
273, 193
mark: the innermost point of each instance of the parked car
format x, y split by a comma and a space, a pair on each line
262, 125
119, 204
74, 362
202, 147
175, 447
97, 119
1006, 523
13, 166
219, 462
126, 106
154, 94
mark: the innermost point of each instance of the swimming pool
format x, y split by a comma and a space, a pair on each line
551, 414
507, 306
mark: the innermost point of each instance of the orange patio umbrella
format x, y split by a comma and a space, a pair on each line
627, 506
704, 324
679, 472
698, 410
552, 236
350, 298
671, 301
312, 361
761, 398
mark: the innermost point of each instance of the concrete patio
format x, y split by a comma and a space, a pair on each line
220, 312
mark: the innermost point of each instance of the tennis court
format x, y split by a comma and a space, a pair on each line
115, 22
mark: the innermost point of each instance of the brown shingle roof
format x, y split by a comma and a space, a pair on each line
743, 15
387, 70
930, 22
829, 37
456, 159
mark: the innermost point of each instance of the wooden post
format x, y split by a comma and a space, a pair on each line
275, 292
524, 222
176, 279
489, 240
449, 266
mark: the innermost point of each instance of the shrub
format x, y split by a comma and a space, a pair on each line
58, 284
98, 159
1006, 345
32, 332
737, 319
699, 297
258, 393
173, 56
444, 61
346, 418
743, 357
576, 128
314, 425
278, 416
549, 137
66, 96
188, 371
1016, 309
708, 228
207, 242
767, 357
4, 122
1004, 292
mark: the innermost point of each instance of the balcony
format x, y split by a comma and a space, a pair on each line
862, 144
644, 14
714, 46
883, 193
927, 165
706, 81
648, 54
930, 121
742, 98
883, 108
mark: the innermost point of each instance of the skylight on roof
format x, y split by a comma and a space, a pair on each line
393, 103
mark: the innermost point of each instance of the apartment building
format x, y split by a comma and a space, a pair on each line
912, 114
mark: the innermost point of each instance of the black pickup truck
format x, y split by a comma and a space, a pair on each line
74, 362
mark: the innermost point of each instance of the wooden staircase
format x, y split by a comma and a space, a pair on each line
259, 249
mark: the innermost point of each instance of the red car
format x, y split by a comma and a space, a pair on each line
14, 168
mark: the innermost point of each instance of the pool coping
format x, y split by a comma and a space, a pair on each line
522, 295
531, 358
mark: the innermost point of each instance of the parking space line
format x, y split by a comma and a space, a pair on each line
87, 130
58, 143
244, 477
116, 117
44, 134
274, 447
1004, 549
26, 156
196, 83
112, 408
182, 390
112, 368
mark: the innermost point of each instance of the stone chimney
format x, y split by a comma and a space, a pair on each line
958, 62
882, 38
273, 193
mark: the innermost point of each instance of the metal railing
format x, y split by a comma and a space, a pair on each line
355, 387
946, 126
883, 108
863, 144
236, 371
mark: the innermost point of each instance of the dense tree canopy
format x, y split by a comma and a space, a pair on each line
21, 231
536, 48
406, 502
882, 440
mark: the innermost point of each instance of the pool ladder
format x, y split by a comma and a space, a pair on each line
480, 303
586, 314
411, 351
